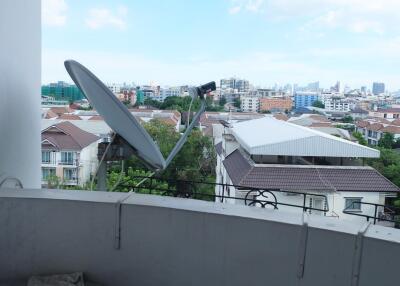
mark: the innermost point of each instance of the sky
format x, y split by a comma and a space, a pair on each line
177, 42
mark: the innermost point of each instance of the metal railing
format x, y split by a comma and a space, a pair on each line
381, 212
252, 196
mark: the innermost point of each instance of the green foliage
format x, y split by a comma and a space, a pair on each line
388, 165
85, 108
127, 103
237, 102
182, 104
360, 138
348, 119
222, 101
387, 141
195, 161
318, 104
151, 102
53, 182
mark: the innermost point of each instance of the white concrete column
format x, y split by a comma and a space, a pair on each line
20, 74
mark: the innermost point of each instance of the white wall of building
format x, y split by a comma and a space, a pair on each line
335, 200
249, 103
20, 70
84, 163
88, 163
338, 105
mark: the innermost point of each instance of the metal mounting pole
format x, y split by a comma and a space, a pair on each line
102, 177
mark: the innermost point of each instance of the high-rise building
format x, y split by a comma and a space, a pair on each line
62, 91
378, 88
304, 99
363, 89
241, 85
337, 87
313, 86
139, 95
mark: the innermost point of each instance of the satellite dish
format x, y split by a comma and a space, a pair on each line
118, 117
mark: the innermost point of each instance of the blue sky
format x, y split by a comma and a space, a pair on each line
173, 42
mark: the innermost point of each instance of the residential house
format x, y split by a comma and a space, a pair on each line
270, 154
374, 128
322, 124
69, 153
387, 113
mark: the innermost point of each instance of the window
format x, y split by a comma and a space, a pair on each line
45, 156
67, 158
69, 174
47, 173
352, 204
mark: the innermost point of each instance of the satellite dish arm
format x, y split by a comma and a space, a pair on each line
183, 139
200, 91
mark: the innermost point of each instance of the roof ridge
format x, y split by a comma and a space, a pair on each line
250, 162
68, 133
314, 166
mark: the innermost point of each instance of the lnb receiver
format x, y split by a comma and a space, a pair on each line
206, 88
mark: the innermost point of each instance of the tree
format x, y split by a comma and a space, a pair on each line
387, 141
151, 102
396, 143
318, 104
237, 102
195, 161
53, 182
222, 101
388, 164
360, 138
348, 119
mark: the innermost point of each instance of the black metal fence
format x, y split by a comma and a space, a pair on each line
381, 212
207, 191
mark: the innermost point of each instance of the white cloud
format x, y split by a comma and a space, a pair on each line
102, 17
234, 10
54, 12
358, 16
254, 5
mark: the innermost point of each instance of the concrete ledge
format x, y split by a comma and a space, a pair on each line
172, 241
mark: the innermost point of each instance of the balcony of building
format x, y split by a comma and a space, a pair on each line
138, 239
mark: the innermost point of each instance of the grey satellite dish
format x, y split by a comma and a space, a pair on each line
118, 117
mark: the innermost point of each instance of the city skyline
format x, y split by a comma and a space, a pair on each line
186, 42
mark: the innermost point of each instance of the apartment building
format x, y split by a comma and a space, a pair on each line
267, 92
241, 85
69, 153
276, 104
305, 99
339, 105
249, 103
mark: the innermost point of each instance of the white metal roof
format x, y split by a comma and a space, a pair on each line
269, 136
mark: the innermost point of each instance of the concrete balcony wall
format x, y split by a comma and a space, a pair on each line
170, 241
20, 70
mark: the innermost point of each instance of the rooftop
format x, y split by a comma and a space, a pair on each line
305, 178
66, 136
268, 136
